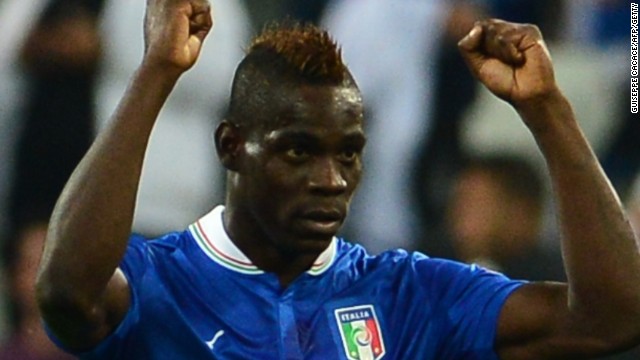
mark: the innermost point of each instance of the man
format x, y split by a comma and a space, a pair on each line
264, 277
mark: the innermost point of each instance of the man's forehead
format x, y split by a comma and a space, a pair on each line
329, 105
351, 94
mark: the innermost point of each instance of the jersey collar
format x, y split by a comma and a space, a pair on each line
214, 241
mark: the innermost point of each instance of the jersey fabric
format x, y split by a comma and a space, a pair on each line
195, 295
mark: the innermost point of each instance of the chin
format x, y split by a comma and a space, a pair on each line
309, 244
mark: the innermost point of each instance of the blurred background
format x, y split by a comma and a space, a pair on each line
450, 170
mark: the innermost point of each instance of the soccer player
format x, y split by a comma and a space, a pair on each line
264, 277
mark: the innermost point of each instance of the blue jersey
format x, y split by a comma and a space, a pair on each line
195, 295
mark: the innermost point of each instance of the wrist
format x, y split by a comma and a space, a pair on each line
542, 113
159, 72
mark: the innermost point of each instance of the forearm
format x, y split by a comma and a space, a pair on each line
91, 222
601, 255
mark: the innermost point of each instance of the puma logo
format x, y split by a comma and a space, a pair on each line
212, 342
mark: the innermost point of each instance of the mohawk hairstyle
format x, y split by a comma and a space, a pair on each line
308, 49
284, 55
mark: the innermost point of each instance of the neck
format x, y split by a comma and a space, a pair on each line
247, 235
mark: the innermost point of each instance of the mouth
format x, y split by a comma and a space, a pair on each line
322, 221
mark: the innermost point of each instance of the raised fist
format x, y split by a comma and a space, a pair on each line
510, 59
174, 31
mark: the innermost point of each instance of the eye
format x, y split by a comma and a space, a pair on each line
297, 153
349, 155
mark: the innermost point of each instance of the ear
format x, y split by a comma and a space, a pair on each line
228, 144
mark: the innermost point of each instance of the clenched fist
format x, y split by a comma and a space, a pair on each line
174, 31
511, 60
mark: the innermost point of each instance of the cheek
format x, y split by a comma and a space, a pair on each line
281, 177
276, 187
353, 176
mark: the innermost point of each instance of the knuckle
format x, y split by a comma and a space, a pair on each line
532, 28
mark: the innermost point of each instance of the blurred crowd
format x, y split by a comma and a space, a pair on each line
450, 170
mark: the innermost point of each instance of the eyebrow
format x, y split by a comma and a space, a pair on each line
354, 137
293, 135
357, 138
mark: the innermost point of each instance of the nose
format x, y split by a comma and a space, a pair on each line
326, 177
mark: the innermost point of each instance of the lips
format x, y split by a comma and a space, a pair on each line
321, 221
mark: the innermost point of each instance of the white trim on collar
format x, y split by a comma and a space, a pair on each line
214, 241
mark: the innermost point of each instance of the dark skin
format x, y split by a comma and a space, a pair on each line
597, 311
306, 158
293, 175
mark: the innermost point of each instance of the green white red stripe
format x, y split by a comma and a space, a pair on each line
207, 245
209, 234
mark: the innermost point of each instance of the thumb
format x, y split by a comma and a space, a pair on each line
470, 48
472, 41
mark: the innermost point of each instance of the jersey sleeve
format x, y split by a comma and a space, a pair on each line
467, 299
134, 264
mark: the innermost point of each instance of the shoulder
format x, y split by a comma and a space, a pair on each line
400, 262
356, 257
164, 243
142, 252
434, 274
399, 259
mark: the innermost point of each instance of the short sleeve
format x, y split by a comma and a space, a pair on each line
468, 299
134, 265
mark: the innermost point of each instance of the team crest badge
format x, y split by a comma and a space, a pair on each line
360, 332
